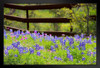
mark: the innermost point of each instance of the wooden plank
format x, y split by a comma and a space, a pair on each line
14, 18
39, 7
57, 33
14, 28
92, 17
38, 20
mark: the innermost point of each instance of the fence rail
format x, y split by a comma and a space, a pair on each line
38, 20
38, 7
57, 33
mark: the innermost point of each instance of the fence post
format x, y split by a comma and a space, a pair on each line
27, 18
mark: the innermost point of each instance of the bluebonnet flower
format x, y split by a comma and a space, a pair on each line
67, 46
94, 41
89, 54
26, 50
44, 57
85, 40
80, 39
56, 38
95, 48
6, 52
56, 46
15, 33
18, 32
35, 31
4, 47
34, 37
83, 59
90, 36
17, 36
55, 57
38, 53
77, 37
37, 47
41, 47
11, 30
68, 52
72, 47
70, 57
52, 48
18, 43
53, 40
82, 35
71, 41
5, 36
20, 49
61, 40
94, 61
64, 42
22, 33
82, 46
15, 55
38, 33
9, 47
31, 50
67, 37
82, 53
59, 59
4, 32
94, 36
15, 45
89, 41
94, 53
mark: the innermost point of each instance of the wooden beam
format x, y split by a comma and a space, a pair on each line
57, 33
14, 28
39, 7
38, 20
92, 17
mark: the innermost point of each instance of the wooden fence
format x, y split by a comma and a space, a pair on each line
38, 20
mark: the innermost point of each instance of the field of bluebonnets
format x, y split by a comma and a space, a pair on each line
34, 48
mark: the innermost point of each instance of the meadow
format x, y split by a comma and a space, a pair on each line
41, 49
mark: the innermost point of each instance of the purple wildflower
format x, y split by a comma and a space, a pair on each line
15, 45
31, 50
94, 41
82, 53
6, 52
9, 47
59, 59
94, 61
11, 30
15, 55
52, 48
38, 53
5, 36
42, 47
83, 59
55, 57
56, 46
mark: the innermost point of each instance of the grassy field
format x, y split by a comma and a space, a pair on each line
42, 49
